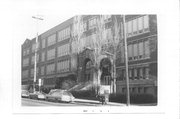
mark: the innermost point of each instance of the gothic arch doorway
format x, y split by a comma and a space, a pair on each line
106, 71
87, 69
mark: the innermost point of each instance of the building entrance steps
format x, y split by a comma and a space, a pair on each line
82, 86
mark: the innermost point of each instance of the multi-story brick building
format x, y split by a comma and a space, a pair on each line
89, 50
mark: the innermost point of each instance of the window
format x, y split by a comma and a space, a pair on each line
51, 54
141, 50
43, 56
147, 73
130, 73
25, 74
135, 26
64, 34
33, 47
123, 90
139, 89
25, 51
25, 62
43, 43
32, 59
129, 28
140, 24
73, 62
135, 51
63, 50
50, 69
135, 74
32, 72
42, 70
130, 52
51, 40
63, 66
146, 22
147, 51
141, 73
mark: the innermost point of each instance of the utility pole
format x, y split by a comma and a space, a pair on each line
126, 61
35, 54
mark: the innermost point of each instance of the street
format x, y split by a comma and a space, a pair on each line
77, 102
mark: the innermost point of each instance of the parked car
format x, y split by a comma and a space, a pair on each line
24, 94
60, 95
37, 95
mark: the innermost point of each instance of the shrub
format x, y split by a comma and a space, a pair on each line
84, 94
134, 98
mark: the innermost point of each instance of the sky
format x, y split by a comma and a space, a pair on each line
16, 24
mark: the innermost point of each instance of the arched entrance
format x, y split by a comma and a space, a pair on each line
106, 71
87, 69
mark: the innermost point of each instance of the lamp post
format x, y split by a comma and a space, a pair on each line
35, 54
126, 61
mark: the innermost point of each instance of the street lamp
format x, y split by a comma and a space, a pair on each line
36, 46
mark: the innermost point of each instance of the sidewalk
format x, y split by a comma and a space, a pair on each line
97, 102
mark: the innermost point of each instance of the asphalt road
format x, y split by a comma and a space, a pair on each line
32, 102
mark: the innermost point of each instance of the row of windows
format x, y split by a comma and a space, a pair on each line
63, 66
63, 34
26, 60
137, 51
137, 26
62, 50
50, 69
27, 51
93, 22
135, 74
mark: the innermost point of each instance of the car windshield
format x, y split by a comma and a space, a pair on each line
25, 92
67, 93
